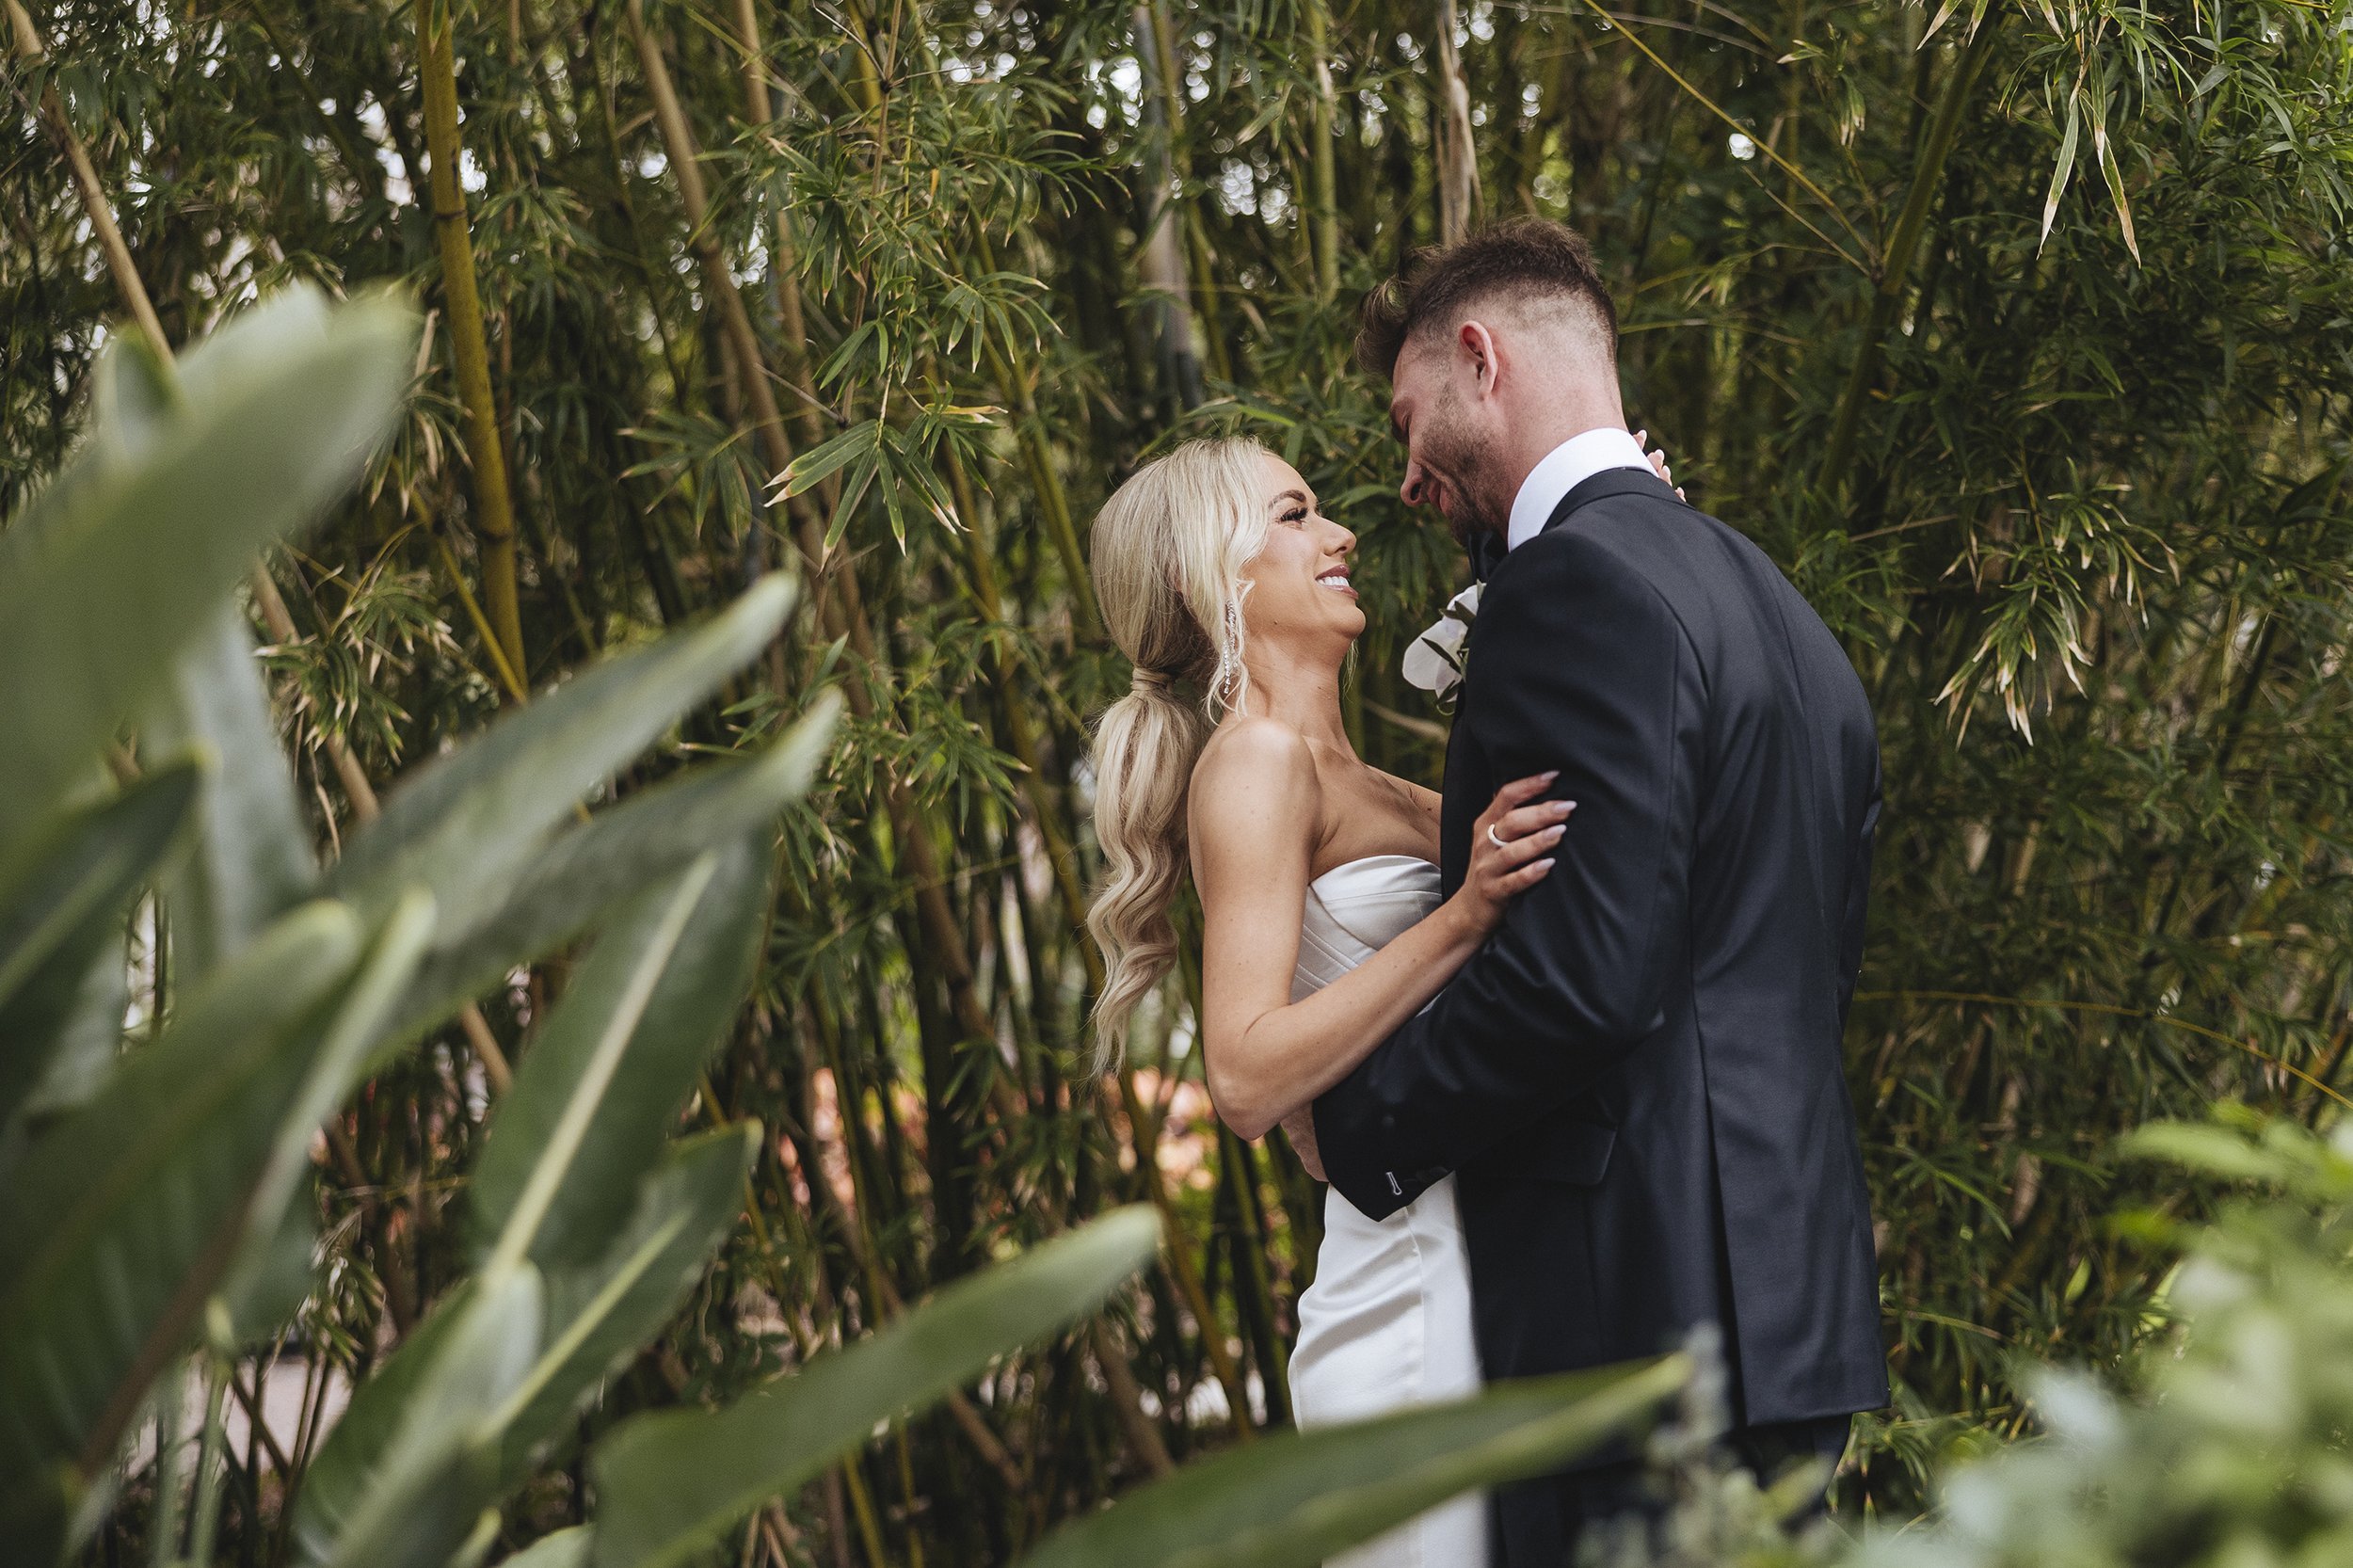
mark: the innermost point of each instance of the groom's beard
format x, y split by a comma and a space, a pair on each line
1474, 513
1473, 522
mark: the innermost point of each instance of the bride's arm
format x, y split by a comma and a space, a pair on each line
1254, 810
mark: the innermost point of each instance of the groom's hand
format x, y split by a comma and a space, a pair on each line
1300, 1127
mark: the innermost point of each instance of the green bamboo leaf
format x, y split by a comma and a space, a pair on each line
464, 824
580, 874
600, 1315
668, 1483
119, 1218
821, 462
254, 859
2066, 166
60, 900
1295, 1500
165, 510
2115, 178
604, 1080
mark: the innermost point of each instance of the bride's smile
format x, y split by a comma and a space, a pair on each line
1299, 582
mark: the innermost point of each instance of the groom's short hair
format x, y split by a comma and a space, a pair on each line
1524, 262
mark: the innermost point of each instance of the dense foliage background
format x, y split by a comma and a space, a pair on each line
2020, 337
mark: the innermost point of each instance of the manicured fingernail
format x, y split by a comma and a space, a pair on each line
1545, 864
1552, 834
1549, 777
1563, 807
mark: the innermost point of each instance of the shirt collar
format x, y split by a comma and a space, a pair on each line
1564, 469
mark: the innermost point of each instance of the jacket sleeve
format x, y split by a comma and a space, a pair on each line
1858, 893
1576, 663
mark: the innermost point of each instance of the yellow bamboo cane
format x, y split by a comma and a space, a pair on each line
493, 506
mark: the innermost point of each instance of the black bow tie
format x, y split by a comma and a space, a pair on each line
1486, 549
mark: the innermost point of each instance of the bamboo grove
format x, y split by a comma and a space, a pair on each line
2020, 334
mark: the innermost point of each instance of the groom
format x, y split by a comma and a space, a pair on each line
1637, 1081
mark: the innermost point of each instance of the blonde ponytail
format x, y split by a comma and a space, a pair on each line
1168, 551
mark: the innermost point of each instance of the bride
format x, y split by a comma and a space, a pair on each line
1323, 925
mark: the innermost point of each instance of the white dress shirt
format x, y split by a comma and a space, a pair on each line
1564, 469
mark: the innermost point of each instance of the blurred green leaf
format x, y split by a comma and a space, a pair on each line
600, 1314
584, 870
61, 904
566, 1548
462, 824
118, 1219
1292, 1500
440, 1467
252, 861
258, 1292
145, 538
668, 1483
604, 1080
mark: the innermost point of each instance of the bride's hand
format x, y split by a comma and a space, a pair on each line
1658, 460
1505, 844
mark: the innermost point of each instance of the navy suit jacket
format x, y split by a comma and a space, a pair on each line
1638, 1082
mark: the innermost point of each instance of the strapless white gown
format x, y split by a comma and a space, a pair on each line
1387, 1321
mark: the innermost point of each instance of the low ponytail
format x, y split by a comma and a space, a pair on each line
1168, 551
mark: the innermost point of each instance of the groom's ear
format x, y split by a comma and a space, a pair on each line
1479, 344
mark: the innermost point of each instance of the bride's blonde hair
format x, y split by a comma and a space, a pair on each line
1168, 549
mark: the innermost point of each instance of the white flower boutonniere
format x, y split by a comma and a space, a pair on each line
1435, 661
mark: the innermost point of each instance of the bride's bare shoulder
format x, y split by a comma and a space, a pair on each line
1249, 748
1255, 766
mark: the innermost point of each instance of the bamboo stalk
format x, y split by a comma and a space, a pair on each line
735, 322
30, 49
1052, 500
1458, 159
494, 507
1143, 1435
1325, 224
1161, 253
1119, 1094
1902, 246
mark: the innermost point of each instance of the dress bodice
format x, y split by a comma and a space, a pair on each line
1354, 910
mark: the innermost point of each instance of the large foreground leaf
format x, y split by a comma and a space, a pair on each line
605, 1078
119, 1218
669, 1484
600, 1314
585, 1320
266, 1281
461, 824
1296, 1500
439, 1469
566, 1548
59, 905
165, 508
252, 861
576, 876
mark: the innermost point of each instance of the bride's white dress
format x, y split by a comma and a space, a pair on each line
1387, 1321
